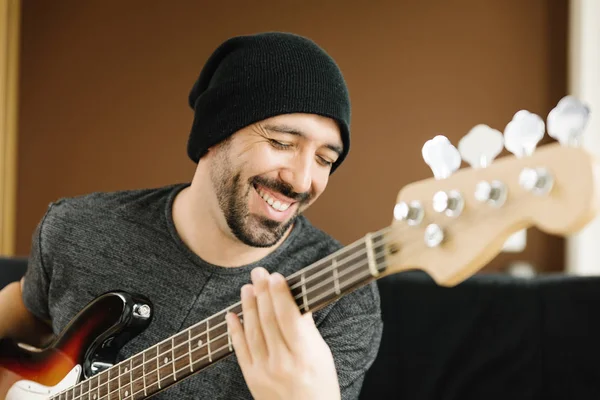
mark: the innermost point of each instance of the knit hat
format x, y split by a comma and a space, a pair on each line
254, 77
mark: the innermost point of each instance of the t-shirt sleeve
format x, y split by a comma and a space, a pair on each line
37, 276
352, 328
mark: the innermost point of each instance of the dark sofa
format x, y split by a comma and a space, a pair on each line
491, 337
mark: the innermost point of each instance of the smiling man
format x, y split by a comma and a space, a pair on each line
271, 125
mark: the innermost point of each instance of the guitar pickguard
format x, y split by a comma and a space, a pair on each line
29, 390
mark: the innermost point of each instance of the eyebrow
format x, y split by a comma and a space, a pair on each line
294, 131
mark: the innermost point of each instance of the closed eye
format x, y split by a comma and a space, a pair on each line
279, 145
325, 162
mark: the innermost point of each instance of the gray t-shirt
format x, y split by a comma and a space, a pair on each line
87, 245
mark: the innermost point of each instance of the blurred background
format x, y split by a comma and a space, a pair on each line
94, 96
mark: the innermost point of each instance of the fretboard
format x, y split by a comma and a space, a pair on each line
208, 341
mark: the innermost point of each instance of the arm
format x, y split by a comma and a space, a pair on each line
24, 305
16, 322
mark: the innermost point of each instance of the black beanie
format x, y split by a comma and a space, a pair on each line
254, 77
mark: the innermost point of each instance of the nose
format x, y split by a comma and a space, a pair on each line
298, 173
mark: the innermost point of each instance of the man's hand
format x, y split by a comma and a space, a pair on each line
280, 351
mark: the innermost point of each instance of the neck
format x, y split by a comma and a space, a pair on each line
207, 235
208, 341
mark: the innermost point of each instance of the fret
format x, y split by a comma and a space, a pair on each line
173, 357
102, 384
208, 340
113, 383
181, 355
190, 350
144, 372
158, 368
131, 390
221, 340
124, 380
165, 360
68, 395
336, 279
84, 390
151, 370
208, 347
92, 388
304, 297
138, 375
199, 350
229, 345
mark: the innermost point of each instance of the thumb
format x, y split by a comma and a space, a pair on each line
309, 320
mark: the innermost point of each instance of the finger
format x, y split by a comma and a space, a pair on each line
286, 310
252, 328
270, 326
238, 340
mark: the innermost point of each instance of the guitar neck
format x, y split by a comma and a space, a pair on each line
201, 345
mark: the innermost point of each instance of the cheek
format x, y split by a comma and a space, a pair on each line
319, 181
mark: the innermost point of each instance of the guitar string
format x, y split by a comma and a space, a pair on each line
341, 263
377, 235
184, 368
218, 338
312, 301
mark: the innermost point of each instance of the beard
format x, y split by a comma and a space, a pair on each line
233, 193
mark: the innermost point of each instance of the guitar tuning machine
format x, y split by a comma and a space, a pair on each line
493, 193
411, 213
536, 180
451, 203
434, 235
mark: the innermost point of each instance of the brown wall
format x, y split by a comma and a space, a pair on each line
104, 87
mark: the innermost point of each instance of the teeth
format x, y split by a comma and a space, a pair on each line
275, 204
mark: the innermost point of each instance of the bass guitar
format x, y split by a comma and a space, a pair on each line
449, 226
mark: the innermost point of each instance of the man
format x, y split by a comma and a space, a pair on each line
271, 124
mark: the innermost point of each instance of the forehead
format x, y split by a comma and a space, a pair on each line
322, 130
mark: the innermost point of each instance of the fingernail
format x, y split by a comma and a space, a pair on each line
276, 279
259, 273
247, 291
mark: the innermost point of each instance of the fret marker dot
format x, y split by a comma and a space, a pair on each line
166, 360
94, 397
126, 393
125, 369
200, 342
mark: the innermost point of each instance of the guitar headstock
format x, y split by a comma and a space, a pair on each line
453, 224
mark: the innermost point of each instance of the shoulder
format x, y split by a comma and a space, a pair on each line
106, 204
103, 211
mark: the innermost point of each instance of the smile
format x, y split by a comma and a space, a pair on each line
275, 204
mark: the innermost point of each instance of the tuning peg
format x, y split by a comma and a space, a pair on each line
441, 156
481, 145
523, 133
567, 121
